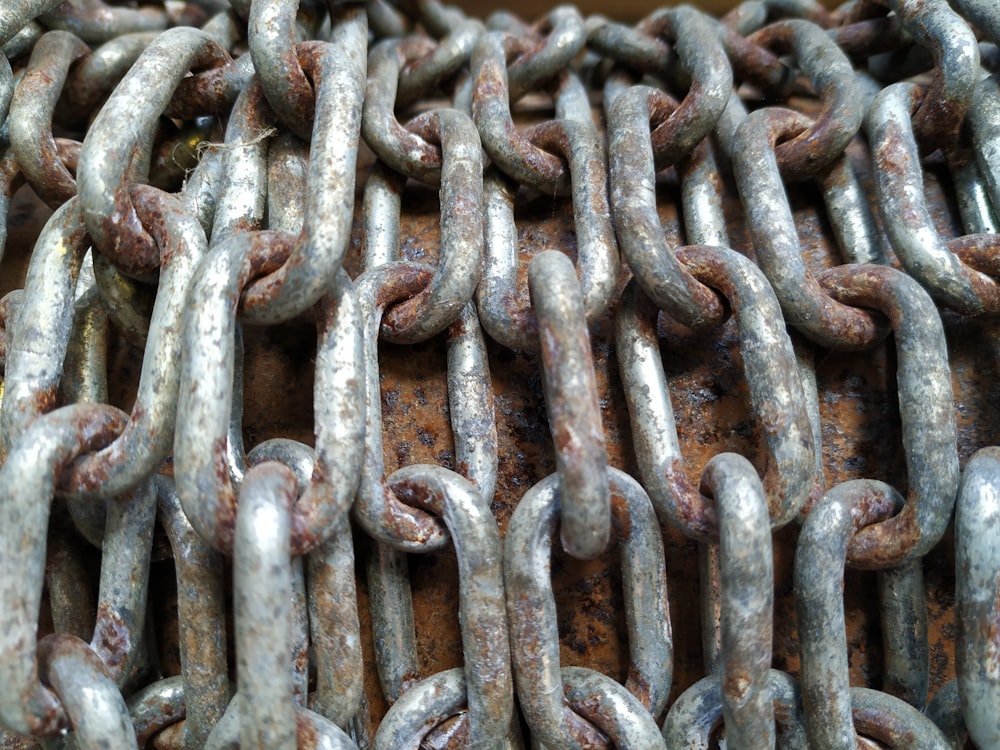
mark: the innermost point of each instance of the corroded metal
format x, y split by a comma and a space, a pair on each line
414, 371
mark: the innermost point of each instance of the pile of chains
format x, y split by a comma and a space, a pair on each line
204, 180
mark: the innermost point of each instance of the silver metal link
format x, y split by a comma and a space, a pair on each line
697, 714
156, 707
924, 399
95, 707
571, 402
200, 443
776, 396
597, 251
775, 238
314, 263
35, 352
903, 612
488, 682
657, 270
262, 578
823, 547
531, 608
976, 579
27, 480
31, 111
747, 603
200, 598
915, 241
17, 15
107, 168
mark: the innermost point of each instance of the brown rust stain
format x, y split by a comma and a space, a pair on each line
112, 638
858, 411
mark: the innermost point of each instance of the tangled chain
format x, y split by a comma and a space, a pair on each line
200, 160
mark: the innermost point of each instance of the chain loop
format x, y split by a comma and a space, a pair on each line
488, 682
747, 598
677, 128
531, 608
271, 35
27, 481
934, 24
698, 712
630, 159
207, 372
571, 402
916, 243
496, 87
376, 508
200, 599
32, 107
95, 707
775, 393
108, 169
597, 250
925, 399
41, 330
432, 310
775, 239
833, 79
16, 16
314, 261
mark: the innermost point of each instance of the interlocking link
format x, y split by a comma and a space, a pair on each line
488, 682
697, 713
200, 589
657, 270
915, 240
17, 15
28, 479
834, 83
534, 632
107, 169
202, 421
41, 328
775, 239
93, 703
847, 508
924, 399
775, 393
502, 315
314, 260
262, 578
200, 162
746, 599
571, 401
31, 112
956, 56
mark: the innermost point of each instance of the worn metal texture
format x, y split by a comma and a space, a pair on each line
401, 451
711, 410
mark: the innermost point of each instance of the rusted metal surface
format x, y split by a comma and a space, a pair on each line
711, 409
868, 422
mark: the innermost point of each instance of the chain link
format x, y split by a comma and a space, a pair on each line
201, 162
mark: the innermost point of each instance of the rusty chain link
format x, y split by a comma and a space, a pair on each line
617, 205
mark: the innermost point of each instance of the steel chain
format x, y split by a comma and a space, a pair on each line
201, 162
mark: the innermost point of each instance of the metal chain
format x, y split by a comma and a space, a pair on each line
222, 167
